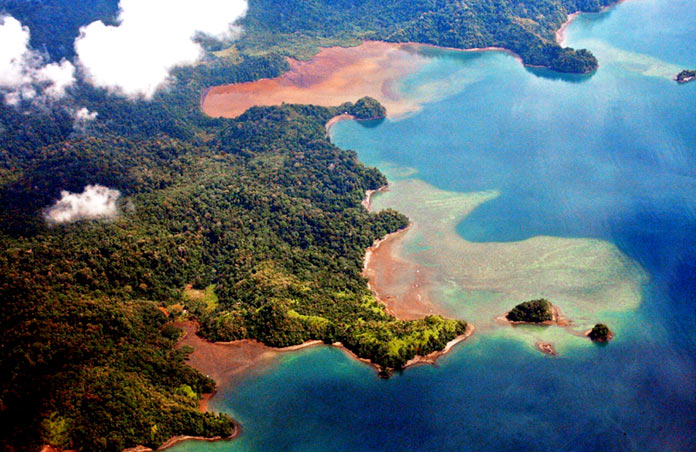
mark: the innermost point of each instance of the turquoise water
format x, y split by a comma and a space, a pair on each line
609, 157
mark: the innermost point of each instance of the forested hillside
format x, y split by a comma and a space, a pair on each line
526, 27
263, 210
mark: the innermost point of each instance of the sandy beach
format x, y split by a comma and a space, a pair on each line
367, 202
399, 284
560, 33
224, 362
335, 120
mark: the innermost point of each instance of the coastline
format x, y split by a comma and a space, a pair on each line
431, 358
367, 202
171, 442
560, 33
336, 119
312, 81
331, 77
383, 268
546, 348
609, 339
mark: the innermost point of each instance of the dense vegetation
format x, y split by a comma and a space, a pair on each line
534, 311
527, 27
686, 75
600, 333
261, 213
264, 208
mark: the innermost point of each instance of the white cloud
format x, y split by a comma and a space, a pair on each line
14, 52
95, 202
22, 69
83, 114
153, 36
59, 75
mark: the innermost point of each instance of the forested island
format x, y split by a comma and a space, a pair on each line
262, 211
686, 76
600, 333
533, 311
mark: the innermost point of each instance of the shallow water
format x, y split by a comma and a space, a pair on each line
607, 162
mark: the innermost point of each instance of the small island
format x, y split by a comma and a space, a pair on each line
685, 76
600, 333
365, 109
546, 348
534, 311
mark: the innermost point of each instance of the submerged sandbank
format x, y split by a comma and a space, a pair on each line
399, 284
585, 278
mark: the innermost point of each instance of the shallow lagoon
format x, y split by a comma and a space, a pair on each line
610, 159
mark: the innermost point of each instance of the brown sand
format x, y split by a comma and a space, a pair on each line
225, 362
333, 76
336, 120
545, 347
402, 286
560, 34
339, 74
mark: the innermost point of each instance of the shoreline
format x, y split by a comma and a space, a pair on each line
367, 202
336, 119
560, 33
609, 338
431, 358
180, 439
369, 274
468, 50
381, 266
546, 348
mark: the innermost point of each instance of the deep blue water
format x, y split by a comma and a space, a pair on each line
611, 156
